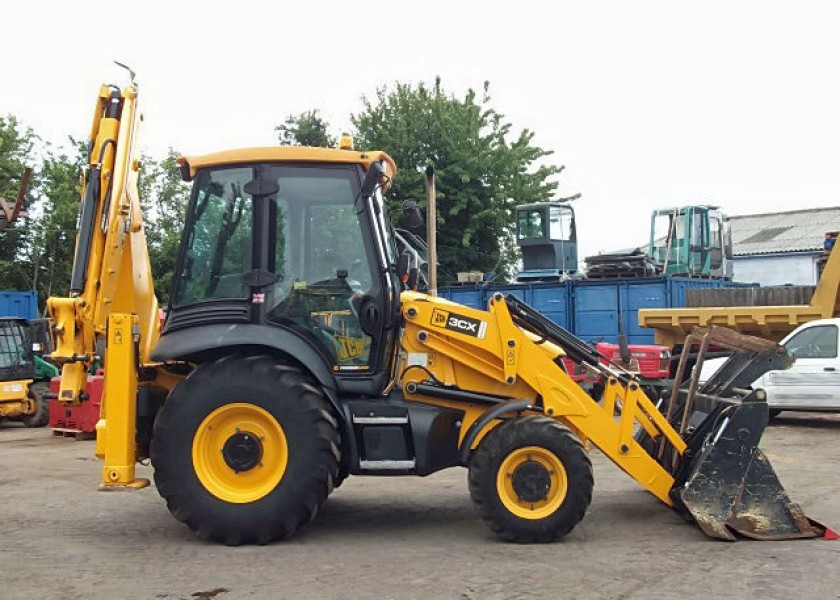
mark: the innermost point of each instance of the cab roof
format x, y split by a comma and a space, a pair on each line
190, 165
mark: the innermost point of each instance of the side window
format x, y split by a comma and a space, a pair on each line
814, 342
561, 225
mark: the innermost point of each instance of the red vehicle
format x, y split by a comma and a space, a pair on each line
650, 361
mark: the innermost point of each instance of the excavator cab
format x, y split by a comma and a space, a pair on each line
691, 241
547, 237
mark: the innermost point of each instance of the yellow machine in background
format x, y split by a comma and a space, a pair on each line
21, 398
293, 356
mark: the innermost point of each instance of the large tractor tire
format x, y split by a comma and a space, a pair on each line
41, 416
245, 450
531, 480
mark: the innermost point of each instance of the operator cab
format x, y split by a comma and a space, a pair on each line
278, 240
16, 356
692, 241
547, 237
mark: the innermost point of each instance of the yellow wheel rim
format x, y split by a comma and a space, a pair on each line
532, 482
240, 453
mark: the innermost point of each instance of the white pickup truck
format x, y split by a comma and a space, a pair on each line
813, 381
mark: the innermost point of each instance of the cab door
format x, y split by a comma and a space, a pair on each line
813, 382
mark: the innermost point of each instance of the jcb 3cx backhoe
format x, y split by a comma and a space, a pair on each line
294, 355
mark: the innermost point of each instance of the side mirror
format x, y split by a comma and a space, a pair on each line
372, 177
411, 213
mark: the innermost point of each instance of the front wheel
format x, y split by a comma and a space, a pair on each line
245, 450
531, 480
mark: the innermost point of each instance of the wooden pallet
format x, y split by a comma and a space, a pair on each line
74, 433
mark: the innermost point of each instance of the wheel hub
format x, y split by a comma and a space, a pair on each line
531, 482
242, 451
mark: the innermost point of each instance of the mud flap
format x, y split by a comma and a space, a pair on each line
728, 485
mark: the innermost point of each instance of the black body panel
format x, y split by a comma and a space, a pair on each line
428, 435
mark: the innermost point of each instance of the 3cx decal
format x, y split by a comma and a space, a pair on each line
455, 322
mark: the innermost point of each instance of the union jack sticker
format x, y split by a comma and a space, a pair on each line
257, 298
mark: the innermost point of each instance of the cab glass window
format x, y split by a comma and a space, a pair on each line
561, 223
323, 267
531, 224
218, 247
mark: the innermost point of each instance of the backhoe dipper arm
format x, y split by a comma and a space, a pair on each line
111, 268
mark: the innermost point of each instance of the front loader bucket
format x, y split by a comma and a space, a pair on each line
727, 484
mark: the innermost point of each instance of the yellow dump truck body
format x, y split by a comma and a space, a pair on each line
671, 325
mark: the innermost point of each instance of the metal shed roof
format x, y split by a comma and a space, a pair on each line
792, 231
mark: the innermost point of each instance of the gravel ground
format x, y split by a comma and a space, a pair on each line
401, 538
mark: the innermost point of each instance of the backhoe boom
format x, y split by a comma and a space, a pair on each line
111, 275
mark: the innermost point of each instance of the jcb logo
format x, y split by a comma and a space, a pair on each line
439, 318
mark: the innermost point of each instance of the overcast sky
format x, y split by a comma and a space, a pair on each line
647, 104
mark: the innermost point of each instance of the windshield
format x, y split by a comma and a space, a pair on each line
218, 242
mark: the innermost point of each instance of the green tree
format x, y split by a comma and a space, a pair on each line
305, 129
483, 168
16, 151
54, 232
165, 197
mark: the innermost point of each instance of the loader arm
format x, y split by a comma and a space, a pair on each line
712, 472
111, 277
501, 359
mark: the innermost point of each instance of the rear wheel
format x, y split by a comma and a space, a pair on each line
531, 480
245, 450
41, 416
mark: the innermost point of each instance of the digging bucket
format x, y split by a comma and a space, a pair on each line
727, 484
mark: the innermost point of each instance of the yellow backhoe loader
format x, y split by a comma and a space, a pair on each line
294, 354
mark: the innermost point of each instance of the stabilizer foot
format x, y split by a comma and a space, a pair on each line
137, 484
